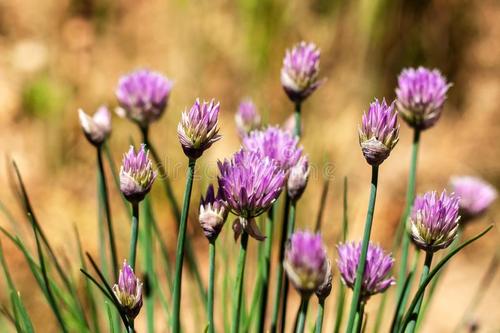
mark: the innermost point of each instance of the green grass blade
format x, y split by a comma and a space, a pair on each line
428, 279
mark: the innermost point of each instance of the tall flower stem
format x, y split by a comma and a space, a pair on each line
301, 320
180, 248
134, 234
364, 249
238, 291
210, 300
297, 115
279, 272
266, 269
425, 272
149, 261
319, 320
192, 264
286, 284
107, 210
410, 197
359, 317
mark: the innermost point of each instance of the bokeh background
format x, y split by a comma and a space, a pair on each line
59, 55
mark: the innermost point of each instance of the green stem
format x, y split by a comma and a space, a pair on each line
301, 320
210, 301
266, 268
364, 250
100, 222
238, 291
180, 248
359, 317
425, 272
298, 124
107, 210
191, 259
134, 234
410, 197
319, 320
291, 228
149, 261
279, 272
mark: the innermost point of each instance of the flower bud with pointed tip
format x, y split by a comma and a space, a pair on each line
136, 174
247, 118
128, 291
433, 222
300, 71
197, 130
476, 196
96, 128
379, 132
297, 178
306, 264
143, 96
325, 288
376, 278
213, 213
250, 184
421, 94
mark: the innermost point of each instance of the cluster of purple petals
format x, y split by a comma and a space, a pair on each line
376, 278
434, 220
306, 263
136, 174
421, 94
275, 143
247, 117
379, 132
198, 130
143, 96
300, 71
213, 213
128, 291
250, 183
475, 194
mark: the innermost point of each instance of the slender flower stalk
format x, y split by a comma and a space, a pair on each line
378, 135
197, 131
250, 184
322, 292
134, 234
302, 314
213, 215
433, 225
180, 248
97, 129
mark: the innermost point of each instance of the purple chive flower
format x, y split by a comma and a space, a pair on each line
379, 132
433, 223
128, 291
297, 178
421, 94
376, 278
197, 130
325, 288
143, 96
476, 195
213, 213
306, 264
247, 117
278, 145
96, 128
136, 174
250, 184
300, 71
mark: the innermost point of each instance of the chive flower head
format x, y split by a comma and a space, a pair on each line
96, 128
136, 174
213, 213
128, 291
476, 195
297, 178
247, 117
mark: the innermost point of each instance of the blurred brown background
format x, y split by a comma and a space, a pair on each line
59, 55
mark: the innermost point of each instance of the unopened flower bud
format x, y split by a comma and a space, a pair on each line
136, 174
297, 178
98, 127
128, 291
213, 213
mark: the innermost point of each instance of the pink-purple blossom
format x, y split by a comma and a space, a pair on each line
376, 278
98, 127
213, 213
128, 291
476, 195
136, 174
